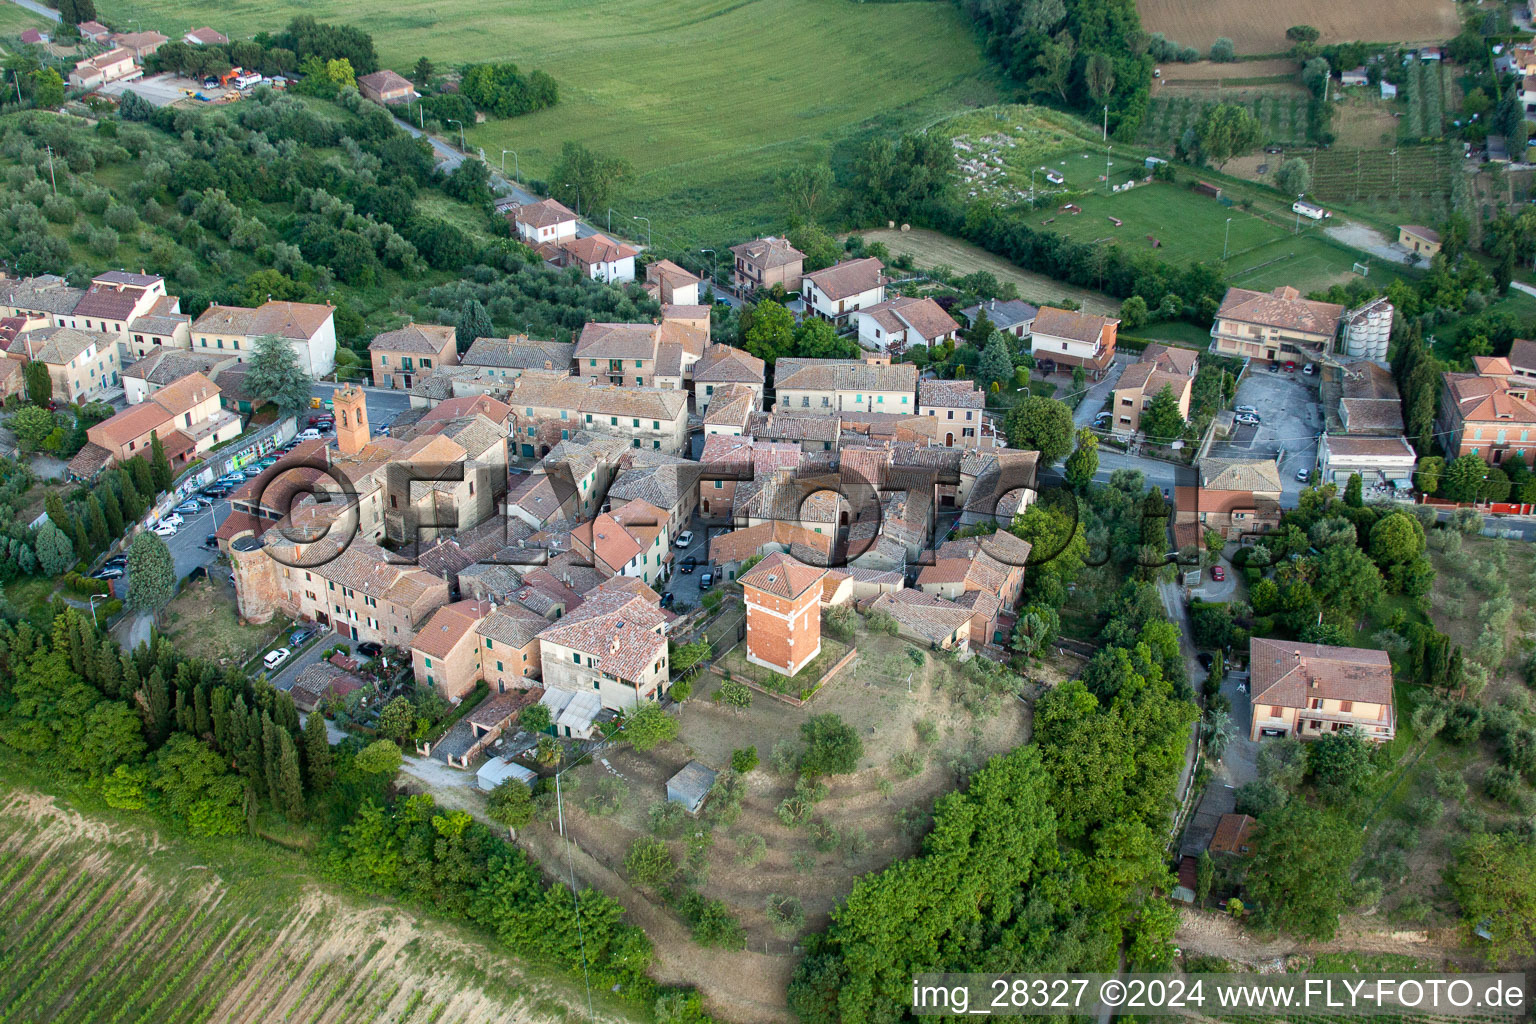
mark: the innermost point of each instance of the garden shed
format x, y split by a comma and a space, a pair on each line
690, 786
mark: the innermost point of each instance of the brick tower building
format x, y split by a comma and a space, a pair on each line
783, 613
351, 408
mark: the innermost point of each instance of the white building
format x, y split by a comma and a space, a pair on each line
1378, 460
902, 323
309, 328
837, 291
546, 221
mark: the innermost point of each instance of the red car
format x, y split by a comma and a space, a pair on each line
1218, 573
320, 418
1290, 367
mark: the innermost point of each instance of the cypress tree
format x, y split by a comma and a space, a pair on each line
54, 503
133, 502
143, 479
289, 785
219, 713
77, 653
159, 465
317, 752
252, 760
111, 510
239, 737
183, 713
109, 670
157, 714
83, 547
272, 754
97, 523
200, 717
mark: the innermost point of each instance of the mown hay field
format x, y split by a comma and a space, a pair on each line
1260, 28
708, 100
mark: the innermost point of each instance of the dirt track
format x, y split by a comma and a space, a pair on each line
1210, 933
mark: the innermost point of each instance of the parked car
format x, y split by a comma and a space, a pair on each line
690, 563
211, 541
1303, 475
1218, 573
706, 581
370, 648
321, 417
1290, 366
116, 561
189, 508
666, 599
1274, 367
300, 636
309, 435
1102, 419
1250, 410
1205, 660
214, 491
108, 572
165, 530
684, 539
1309, 369
172, 519
325, 426
276, 658
1247, 419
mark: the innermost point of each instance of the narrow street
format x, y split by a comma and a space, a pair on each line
1173, 604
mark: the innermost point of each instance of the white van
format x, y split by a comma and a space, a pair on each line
308, 435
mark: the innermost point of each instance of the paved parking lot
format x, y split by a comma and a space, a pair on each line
1290, 421
684, 587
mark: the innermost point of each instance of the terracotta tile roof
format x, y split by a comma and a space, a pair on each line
184, 394
1371, 413
1070, 324
843, 375
1240, 475
733, 405
724, 450
1374, 447
1365, 379
849, 278
1287, 673
1150, 379
500, 707
616, 537
1482, 398
207, 36
597, 248
1427, 234
544, 214
47, 294
676, 311
949, 394
468, 405
1182, 361
321, 681
642, 403
999, 476
134, 421
519, 353
418, 339
932, 618
108, 301
1522, 355
791, 426
739, 545
923, 316
621, 630
1281, 308
385, 81
58, 345
663, 485
782, 576
512, 624
674, 275
617, 341
164, 365
1234, 834
768, 253
294, 320
722, 364
449, 625
89, 461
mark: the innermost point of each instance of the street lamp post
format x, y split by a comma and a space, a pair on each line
1297, 210
1226, 239
647, 229
1106, 122
517, 174
1107, 151
454, 120
610, 220
714, 266
94, 598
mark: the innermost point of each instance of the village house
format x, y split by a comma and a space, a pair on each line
818, 430
665, 481
721, 366
42, 297
385, 87
613, 646
783, 600
960, 408
83, 364
1070, 339
400, 354
309, 328
140, 44
826, 385
724, 460
1159, 367
765, 262
186, 416
671, 285
660, 354
570, 480
1488, 413
728, 552
1307, 690
205, 37
1236, 497
840, 290
93, 31
136, 308
1012, 316
516, 355
159, 369
321, 683
546, 222
965, 572
598, 257
1384, 461
632, 540
898, 324
730, 411
1421, 240
933, 622
1274, 326
111, 66
471, 641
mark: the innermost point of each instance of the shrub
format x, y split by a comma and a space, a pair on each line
785, 913
793, 811
607, 798
667, 819
649, 863
744, 760
681, 690
856, 844
927, 732
712, 922
909, 764
750, 850
837, 622
784, 759
733, 694
1502, 784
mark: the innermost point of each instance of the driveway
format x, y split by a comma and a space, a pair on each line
1173, 604
684, 586
1291, 419
1239, 761
1093, 401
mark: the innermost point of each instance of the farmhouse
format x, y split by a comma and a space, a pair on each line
1274, 325
548, 220
671, 285
386, 87
839, 290
599, 257
765, 262
94, 72
824, 385
1306, 690
1071, 339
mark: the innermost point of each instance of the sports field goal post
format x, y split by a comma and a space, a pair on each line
1363, 269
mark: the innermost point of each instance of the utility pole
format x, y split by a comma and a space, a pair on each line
51, 176
1106, 122
610, 220
1225, 240
517, 174
1107, 151
714, 266
1297, 229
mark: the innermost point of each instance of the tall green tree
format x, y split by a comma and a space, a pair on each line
1083, 463
1354, 492
1040, 424
768, 331
805, 188
996, 366
422, 72
816, 338
159, 465
111, 510
584, 180
1299, 876
55, 553
1227, 130
474, 322
1162, 421
1493, 880
97, 524
317, 752
275, 376
39, 383
289, 784
151, 573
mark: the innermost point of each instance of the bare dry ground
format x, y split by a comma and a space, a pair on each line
1206, 71
1260, 28
106, 923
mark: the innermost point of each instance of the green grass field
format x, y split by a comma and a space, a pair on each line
16, 20
708, 100
1283, 115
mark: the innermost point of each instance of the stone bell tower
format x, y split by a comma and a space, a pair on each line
351, 408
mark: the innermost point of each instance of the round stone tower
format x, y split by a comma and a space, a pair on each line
255, 579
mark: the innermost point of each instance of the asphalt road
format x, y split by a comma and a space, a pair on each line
384, 404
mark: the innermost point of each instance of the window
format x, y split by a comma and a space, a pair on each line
1315, 703
639, 382
1346, 706
719, 484
637, 423
1275, 712
594, 362
428, 662
576, 658
951, 414
487, 643
709, 389
639, 364
613, 421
